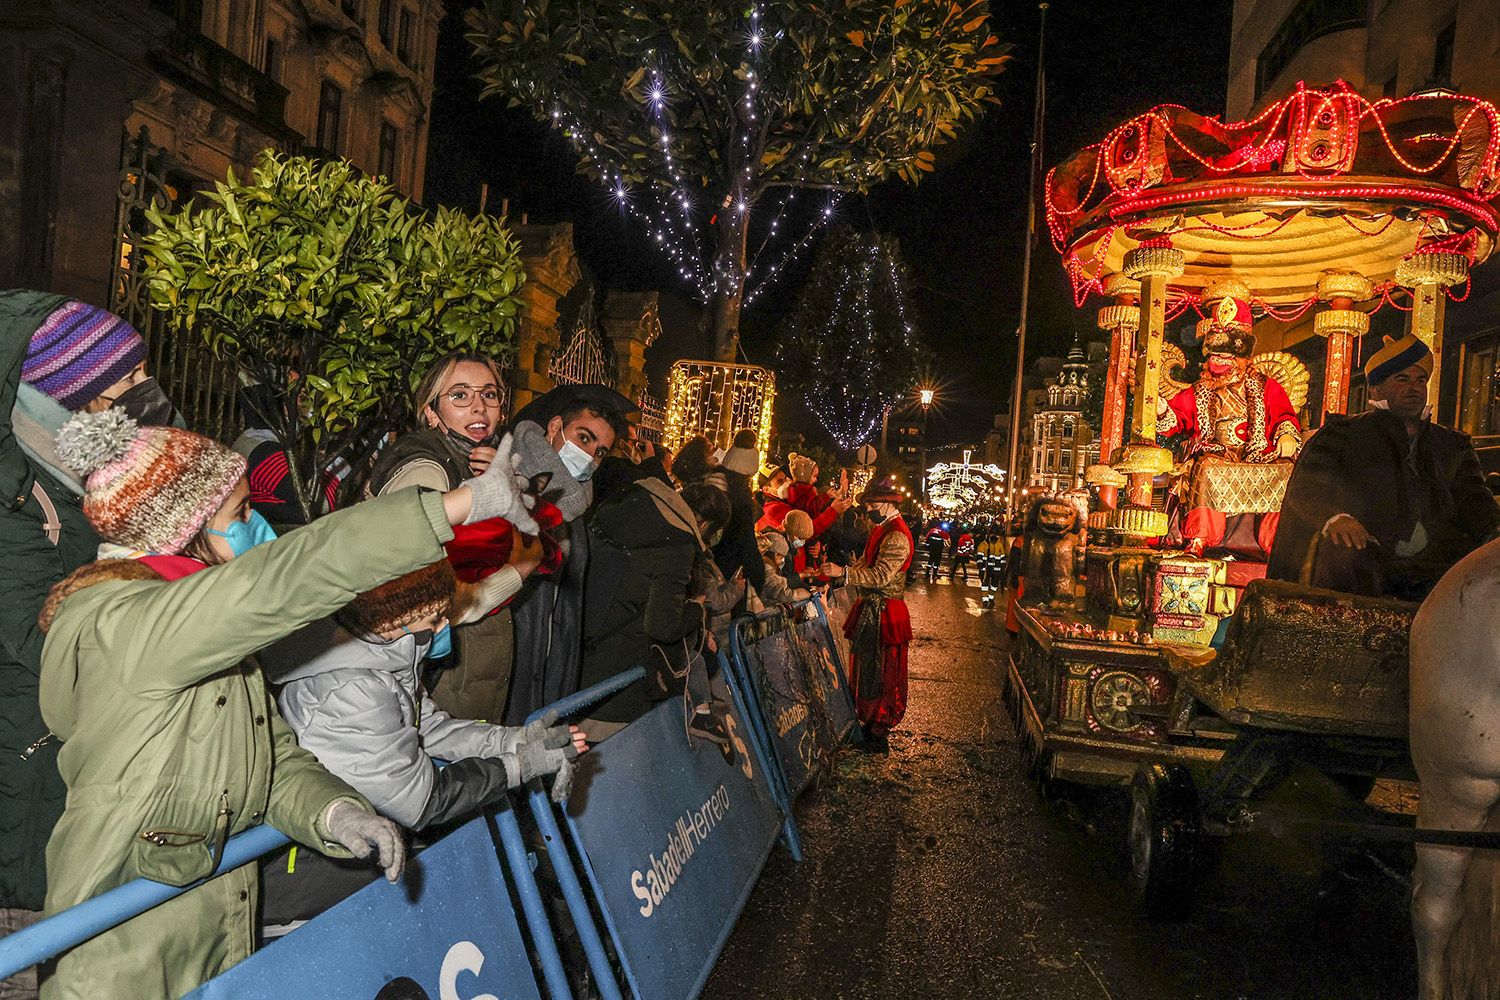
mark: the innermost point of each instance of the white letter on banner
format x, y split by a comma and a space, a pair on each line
464, 956
647, 906
732, 725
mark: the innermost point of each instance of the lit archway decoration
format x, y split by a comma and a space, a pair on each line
715, 399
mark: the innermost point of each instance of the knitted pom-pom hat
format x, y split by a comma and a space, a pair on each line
402, 601
150, 488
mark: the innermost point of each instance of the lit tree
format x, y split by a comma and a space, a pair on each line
849, 347
692, 111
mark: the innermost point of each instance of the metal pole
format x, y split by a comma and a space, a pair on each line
1012, 464
924, 453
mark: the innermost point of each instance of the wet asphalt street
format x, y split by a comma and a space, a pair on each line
939, 872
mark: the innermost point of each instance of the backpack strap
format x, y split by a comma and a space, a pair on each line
51, 523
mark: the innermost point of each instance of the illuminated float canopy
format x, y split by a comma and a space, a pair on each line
1320, 179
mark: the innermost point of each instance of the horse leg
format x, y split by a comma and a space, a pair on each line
1437, 885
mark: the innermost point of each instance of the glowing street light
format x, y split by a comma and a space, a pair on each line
926, 395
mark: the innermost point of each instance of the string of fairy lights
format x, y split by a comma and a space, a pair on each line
851, 419
670, 209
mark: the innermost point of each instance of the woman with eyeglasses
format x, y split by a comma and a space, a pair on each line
460, 418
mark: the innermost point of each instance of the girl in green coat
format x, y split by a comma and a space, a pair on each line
172, 743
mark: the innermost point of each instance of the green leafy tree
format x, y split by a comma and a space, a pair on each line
712, 105
849, 347
327, 290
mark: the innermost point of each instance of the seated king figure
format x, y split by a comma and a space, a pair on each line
1241, 432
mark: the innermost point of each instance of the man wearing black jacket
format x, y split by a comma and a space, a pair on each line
1384, 502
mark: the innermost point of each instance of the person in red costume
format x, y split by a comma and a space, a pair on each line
1234, 414
878, 626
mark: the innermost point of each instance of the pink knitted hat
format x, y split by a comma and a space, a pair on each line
150, 488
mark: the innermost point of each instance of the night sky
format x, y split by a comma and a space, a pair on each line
961, 229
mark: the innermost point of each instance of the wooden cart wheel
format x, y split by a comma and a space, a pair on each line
1162, 839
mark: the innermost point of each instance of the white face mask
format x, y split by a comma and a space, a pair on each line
579, 463
797, 543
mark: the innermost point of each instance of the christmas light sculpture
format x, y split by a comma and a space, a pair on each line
716, 399
963, 489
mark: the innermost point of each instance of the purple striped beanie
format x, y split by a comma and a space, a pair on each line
79, 351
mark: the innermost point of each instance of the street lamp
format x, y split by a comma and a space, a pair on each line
925, 394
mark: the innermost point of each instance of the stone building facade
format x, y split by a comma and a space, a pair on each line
1062, 445
212, 82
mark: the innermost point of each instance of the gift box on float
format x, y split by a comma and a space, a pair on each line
1188, 599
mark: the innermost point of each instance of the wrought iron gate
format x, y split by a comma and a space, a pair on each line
202, 386
588, 360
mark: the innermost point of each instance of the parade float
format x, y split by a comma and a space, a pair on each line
1154, 653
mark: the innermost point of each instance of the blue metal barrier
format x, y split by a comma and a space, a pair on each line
65, 930
759, 714
93, 917
673, 841
557, 849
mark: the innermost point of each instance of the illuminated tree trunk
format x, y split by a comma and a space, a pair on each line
729, 280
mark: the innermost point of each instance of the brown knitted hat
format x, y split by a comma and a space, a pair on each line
428, 591
149, 488
798, 525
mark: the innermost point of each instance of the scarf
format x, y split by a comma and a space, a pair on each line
538, 457
36, 418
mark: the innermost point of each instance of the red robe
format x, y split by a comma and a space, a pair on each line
1184, 414
880, 715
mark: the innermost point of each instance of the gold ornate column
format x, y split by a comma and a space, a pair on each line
1142, 460
1340, 324
1121, 320
1428, 275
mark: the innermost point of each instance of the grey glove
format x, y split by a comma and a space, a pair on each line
544, 748
360, 830
500, 492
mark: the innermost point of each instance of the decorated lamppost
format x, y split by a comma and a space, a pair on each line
926, 395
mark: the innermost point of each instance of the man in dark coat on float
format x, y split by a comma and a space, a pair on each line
878, 626
1386, 501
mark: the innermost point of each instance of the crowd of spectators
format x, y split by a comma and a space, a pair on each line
181, 659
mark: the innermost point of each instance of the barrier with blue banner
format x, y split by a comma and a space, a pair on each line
672, 831
672, 827
447, 929
798, 687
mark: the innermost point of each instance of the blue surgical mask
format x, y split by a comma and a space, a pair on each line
579, 463
442, 644
243, 536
